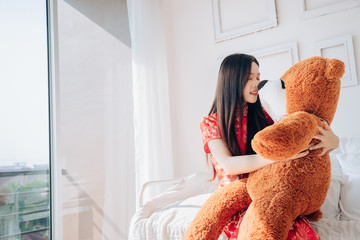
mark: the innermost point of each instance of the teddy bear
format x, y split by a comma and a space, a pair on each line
276, 194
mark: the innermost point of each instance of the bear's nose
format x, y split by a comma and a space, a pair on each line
282, 84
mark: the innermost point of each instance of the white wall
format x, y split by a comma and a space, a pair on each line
193, 56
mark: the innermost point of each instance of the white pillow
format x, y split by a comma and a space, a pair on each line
331, 208
350, 145
350, 164
350, 200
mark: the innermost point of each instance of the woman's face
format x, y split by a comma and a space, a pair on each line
251, 88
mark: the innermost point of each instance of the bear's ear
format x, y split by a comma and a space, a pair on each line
334, 69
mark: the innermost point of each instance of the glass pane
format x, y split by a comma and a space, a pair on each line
24, 122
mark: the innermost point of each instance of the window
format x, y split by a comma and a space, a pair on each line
24, 122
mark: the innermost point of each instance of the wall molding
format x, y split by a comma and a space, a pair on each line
329, 9
348, 57
221, 35
290, 48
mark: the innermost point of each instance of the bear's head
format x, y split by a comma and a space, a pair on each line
313, 86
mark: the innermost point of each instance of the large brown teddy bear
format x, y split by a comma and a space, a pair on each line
280, 192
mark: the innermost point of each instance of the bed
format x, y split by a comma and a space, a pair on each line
168, 215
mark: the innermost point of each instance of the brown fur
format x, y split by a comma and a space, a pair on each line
282, 191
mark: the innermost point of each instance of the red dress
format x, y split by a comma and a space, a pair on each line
301, 229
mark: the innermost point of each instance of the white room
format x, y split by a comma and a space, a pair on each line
116, 137
194, 56
199, 35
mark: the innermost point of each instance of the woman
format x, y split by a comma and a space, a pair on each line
235, 117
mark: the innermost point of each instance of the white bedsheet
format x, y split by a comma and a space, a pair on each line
333, 229
167, 216
169, 222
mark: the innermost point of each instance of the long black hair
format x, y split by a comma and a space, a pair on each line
233, 75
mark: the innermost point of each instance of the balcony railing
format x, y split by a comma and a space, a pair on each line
24, 204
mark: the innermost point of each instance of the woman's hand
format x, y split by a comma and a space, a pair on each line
300, 154
328, 140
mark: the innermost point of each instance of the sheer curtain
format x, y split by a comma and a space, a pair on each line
153, 150
94, 121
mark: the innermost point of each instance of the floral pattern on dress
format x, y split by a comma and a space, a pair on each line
300, 230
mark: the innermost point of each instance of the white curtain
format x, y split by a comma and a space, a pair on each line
94, 122
153, 151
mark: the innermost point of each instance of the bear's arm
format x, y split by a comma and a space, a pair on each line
286, 137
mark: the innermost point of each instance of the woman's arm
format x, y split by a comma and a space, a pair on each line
328, 140
240, 164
